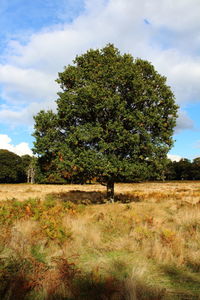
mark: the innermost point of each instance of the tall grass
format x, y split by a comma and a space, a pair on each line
148, 248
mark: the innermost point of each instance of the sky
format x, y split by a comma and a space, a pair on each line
38, 38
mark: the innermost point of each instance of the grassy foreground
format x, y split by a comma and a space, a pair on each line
65, 242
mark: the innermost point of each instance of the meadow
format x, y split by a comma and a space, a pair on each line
67, 242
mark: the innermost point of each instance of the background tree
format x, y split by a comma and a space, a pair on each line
115, 117
26, 160
195, 169
48, 138
11, 169
171, 170
31, 170
183, 169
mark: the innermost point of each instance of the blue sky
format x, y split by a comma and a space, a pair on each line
38, 38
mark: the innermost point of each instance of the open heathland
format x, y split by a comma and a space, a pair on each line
67, 242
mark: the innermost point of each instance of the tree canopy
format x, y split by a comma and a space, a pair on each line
11, 169
183, 169
115, 118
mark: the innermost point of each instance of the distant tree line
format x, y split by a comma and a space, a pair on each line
19, 169
13, 168
183, 169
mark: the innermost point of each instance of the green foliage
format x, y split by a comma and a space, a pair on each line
183, 169
26, 161
38, 253
115, 119
49, 202
11, 167
48, 213
196, 168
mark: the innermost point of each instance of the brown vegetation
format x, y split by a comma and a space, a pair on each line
146, 248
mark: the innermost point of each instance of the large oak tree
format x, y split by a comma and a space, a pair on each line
115, 118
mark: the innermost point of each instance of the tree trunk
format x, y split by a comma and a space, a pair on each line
110, 191
31, 175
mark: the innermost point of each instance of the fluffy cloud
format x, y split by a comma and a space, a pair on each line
174, 157
28, 73
24, 116
20, 149
26, 84
183, 73
172, 14
183, 122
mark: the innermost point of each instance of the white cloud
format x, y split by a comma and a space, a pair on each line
20, 149
23, 85
183, 122
183, 73
25, 115
180, 16
173, 157
28, 75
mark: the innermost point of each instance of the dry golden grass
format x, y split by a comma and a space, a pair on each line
151, 246
188, 192
25, 191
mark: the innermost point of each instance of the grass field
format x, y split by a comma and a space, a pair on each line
66, 242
